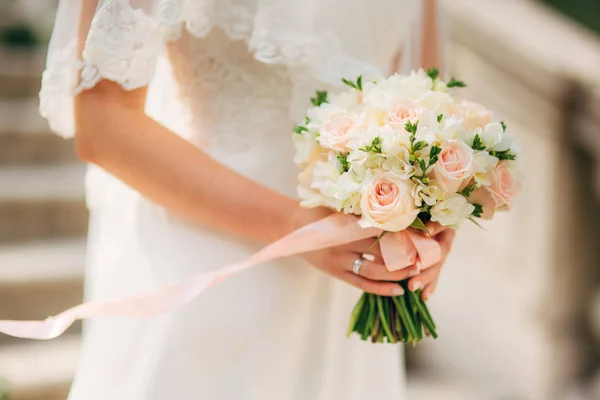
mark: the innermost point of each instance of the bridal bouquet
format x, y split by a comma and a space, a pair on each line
400, 153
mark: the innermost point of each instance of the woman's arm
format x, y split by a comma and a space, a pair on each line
430, 52
113, 132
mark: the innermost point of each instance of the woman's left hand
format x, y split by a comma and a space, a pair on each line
428, 279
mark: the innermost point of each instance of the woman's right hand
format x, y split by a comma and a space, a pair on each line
338, 261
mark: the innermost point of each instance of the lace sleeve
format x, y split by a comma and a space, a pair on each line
122, 45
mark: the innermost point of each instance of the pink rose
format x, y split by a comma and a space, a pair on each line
401, 112
387, 203
455, 166
337, 130
484, 198
473, 115
504, 186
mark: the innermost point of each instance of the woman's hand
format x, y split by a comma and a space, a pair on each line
428, 279
338, 261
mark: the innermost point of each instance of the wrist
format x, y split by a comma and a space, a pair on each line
300, 217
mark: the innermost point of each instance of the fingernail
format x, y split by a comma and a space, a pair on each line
416, 286
368, 257
419, 265
398, 291
414, 272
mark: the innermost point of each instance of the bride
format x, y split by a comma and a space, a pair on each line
183, 110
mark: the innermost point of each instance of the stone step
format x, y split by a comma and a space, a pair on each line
20, 72
25, 137
40, 370
40, 279
42, 202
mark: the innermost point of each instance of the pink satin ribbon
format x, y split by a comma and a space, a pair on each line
400, 249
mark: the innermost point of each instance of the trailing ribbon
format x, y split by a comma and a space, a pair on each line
400, 249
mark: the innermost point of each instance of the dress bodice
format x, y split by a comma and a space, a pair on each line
228, 101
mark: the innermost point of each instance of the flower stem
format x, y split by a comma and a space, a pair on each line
384, 317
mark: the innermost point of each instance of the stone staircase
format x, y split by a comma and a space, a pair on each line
43, 221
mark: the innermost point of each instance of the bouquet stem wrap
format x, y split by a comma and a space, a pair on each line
332, 231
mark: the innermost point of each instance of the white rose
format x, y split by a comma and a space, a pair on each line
452, 211
337, 130
429, 194
401, 112
484, 166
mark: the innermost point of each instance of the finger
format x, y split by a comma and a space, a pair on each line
435, 228
428, 291
445, 239
425, 278
365, 246
377, 271
369, 286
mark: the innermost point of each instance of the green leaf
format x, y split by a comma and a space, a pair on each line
306, 120
433, 73
433, 154
439, 117
320, 98
456, 83
503, 126
300, 129
478, 210
476, 223
503, 155
374, 147
422, 165
468, 190
343, 159
349, 83
419, 224
477, 143
359, 82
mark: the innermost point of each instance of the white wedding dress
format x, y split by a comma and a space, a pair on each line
232, 77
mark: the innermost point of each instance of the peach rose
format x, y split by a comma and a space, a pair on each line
455, 166
387, 203
483, 197
504, 186
473, 115
401, 112
337, 129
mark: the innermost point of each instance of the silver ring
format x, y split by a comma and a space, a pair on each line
356, 265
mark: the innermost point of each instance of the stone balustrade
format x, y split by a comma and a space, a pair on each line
513, 302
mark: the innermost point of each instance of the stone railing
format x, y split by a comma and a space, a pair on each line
513, 304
